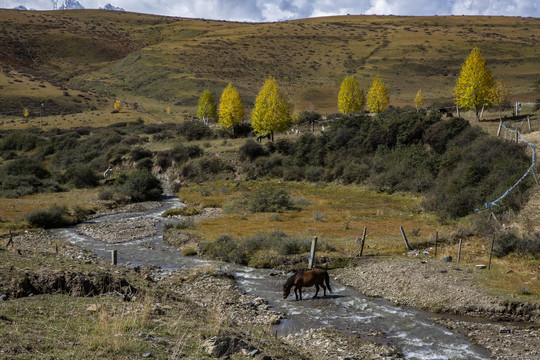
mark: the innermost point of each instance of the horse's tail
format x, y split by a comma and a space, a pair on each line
327, 280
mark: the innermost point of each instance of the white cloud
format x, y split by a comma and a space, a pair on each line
274, 10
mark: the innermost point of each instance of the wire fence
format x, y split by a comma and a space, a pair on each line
529, 171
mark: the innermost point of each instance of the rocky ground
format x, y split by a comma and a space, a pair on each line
512, 331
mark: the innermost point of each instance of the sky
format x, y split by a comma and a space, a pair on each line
277, 10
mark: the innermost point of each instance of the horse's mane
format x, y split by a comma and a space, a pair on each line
290, 281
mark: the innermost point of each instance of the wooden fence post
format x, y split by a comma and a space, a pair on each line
457, 110
517, 137
529, 122
312, 254
499, 129
491, 252
405, 238
114, 257
363, 240
436, 241
459, 252
10, 241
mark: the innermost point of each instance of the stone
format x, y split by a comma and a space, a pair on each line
3, 297
147, 355
93, 307
447, 259
480, 266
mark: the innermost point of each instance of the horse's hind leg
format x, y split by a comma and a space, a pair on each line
324, 289
316, 291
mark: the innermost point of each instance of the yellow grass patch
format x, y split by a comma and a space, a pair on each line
336, 214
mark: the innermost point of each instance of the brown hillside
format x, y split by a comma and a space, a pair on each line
163, 60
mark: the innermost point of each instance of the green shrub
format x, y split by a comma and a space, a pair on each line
22, 140
224, 248
140, 185
251, 150
144, 164
505, 243
185, 211
265, 199
81, 177
139, 153
314, 173
106, 194
195, 130
53, 217
205, 168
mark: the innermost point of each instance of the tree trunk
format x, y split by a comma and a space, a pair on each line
272, 135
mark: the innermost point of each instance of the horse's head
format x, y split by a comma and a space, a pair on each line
286, 291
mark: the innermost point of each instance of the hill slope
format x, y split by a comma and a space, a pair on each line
172, 60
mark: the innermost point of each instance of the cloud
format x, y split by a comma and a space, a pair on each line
275, 10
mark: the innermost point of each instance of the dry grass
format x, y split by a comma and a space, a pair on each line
12, 211
156, 62
336, 214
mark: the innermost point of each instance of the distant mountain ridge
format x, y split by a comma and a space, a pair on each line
71, 5
112, 7
76, 5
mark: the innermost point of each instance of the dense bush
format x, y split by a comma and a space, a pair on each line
53, 217
264, 199
139, 185
195, 130
206, 168
81, 177
144, 164
251, 150
22, 140
139, 153
505, 243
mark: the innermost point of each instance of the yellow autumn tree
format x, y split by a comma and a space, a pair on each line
231, 109
350, 98
474, 86
117, 105
418, 100
377, 97
272, 112
207, 106
500, 95
26, 112
168, 110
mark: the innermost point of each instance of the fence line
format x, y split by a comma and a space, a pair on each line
527, 173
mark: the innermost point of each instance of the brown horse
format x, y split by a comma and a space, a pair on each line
307, 278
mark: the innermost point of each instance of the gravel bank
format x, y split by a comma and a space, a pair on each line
445, 288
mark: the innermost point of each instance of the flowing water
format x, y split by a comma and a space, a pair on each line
344, 309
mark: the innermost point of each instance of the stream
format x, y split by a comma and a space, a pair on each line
345, 309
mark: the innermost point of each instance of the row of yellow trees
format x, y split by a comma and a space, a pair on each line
475, 89
272, 111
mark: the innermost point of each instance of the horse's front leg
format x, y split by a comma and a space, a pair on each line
300, 291
316, 291
296, 293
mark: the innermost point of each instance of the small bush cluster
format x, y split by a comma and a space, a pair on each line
265, 199
241, 251
509, 242
139, 185
195, 130
55, 217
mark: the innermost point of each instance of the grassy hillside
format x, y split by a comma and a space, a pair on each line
159, 61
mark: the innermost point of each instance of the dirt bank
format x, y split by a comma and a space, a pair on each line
434, 286
445, 288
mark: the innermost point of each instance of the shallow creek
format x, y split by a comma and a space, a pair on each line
344, 309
